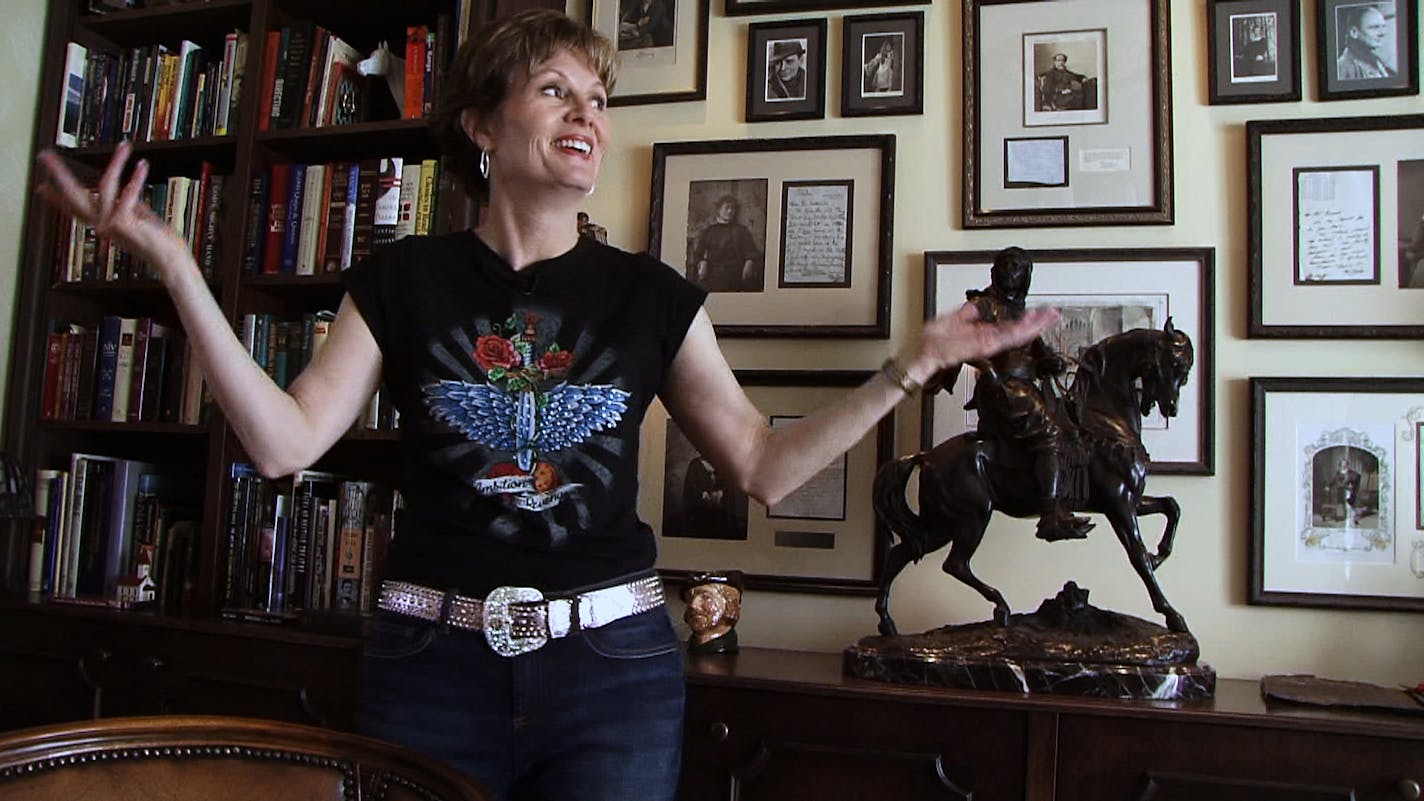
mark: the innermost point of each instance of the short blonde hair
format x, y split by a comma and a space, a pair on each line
487, 64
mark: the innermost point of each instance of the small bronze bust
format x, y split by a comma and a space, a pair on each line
714, 604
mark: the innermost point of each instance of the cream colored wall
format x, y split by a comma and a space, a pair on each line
21, 40
1206, 578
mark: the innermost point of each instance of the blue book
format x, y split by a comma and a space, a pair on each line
296, 190
106, 366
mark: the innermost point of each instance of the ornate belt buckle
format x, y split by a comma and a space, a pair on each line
500, 631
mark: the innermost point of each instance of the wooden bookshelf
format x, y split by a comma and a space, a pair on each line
69, 649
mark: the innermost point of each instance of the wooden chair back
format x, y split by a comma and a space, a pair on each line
215, 758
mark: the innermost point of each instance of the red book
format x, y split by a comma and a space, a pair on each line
323, 218
54, 366
414, 72
205, 178
269, 79
311, 97
276, 218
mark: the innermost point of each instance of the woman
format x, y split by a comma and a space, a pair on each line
521, 358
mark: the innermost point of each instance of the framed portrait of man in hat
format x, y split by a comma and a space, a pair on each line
786, 70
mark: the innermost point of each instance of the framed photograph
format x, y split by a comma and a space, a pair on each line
790, 237
1335, 481
663, 47
1094, 75
823, 537
786, 70
1253, 51
739, 8
883, 64
1366, 48
1336, 216
1099, 293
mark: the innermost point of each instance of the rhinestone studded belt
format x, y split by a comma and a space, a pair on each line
517, 620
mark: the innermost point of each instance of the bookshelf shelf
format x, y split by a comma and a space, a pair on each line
137, 428
408, 138
195, 18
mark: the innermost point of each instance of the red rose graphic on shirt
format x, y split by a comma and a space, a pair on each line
495, 351
556, 361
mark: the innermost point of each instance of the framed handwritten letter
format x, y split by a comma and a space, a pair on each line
1337, 227
790, 237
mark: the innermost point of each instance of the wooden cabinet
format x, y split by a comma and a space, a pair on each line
765, 724
61, 665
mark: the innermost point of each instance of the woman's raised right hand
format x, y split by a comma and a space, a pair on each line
116, 211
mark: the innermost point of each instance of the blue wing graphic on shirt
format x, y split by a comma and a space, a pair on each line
527, 422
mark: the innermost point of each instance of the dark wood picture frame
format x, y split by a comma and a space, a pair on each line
902, 89
1342, 67
773, 97
1113, 183
652, 74
1170, 282
742, 8
1278, 153
1253, 51
859, 524
859, 310
1309, 424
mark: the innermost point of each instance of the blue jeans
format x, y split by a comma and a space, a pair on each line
596, 715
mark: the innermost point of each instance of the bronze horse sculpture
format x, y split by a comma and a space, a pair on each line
965, 478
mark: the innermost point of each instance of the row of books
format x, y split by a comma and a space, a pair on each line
115, 531
284, 348
191, 206
310, 79
427, 54
306, 219
150, 93
313, 542
121, 369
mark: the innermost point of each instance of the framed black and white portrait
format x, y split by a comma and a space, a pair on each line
786, 70
882, 64
1253, 51
1065, 80
1367, 48
726, 246
662, 46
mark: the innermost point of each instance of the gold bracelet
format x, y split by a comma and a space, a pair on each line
897, 376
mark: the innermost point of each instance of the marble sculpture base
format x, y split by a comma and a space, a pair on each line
1066, 647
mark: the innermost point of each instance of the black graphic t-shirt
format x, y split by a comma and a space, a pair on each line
520, 398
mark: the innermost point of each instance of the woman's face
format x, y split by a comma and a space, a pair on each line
726, 212
551, 131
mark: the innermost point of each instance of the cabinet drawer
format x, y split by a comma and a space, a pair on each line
1223, 758
750, 745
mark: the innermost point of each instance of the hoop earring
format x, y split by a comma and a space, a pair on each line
591, 190
484, 164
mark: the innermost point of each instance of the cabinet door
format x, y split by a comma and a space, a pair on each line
1103, 759
41, 686
228, 674
752, 745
